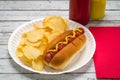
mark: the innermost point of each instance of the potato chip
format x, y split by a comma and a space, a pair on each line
31, 52
48, 29
34, 44
36, 26
35, 35
66, 21
44, 41
38, 64
24, 35
56, 23
26, 61
20, 47
22, 42
19, 53
43, 45
47, 34
52, 36
42, 48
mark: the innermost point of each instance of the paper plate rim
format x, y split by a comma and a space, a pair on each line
41, 72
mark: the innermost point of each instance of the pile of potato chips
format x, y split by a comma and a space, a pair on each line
34, 42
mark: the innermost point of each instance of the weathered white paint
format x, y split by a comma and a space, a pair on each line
46, 5
30, 15
83, 76
6, 28
10, 26
14, 13
9, 66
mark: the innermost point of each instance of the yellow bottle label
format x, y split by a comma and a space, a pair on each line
97, 9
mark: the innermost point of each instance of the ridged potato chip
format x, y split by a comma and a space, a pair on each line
56, 23
48, 29
44, 41
19, 53
53, 35
35, 35
38, 64
66, 21
34, 44
31, 52
19, 47
26, 61
36, 26
24, 35
22, 42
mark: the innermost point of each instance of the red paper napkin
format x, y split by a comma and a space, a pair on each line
107, 54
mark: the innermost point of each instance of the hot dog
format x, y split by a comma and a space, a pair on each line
61, 49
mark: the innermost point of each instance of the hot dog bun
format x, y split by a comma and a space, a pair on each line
63, 57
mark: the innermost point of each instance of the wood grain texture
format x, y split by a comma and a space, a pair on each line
83, 76
6, 28
15, 68
47, 5
39, 5
30, 15
14, 13
9, 26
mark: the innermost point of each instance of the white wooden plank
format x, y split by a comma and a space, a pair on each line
15, 68
104, 23
84, 76
112, 15
113, 5
4, 38
9, 66
16, 10
4, 52
46, 5
7, 27
11, 76
10, 26
30, 15
33, 5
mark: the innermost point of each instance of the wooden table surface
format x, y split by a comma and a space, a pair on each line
14, 13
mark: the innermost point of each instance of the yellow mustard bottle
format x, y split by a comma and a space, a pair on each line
97, 10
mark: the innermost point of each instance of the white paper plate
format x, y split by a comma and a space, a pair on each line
82, 58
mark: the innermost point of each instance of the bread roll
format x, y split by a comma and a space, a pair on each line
62, 57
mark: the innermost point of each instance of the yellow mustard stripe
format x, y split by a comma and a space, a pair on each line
66, 40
